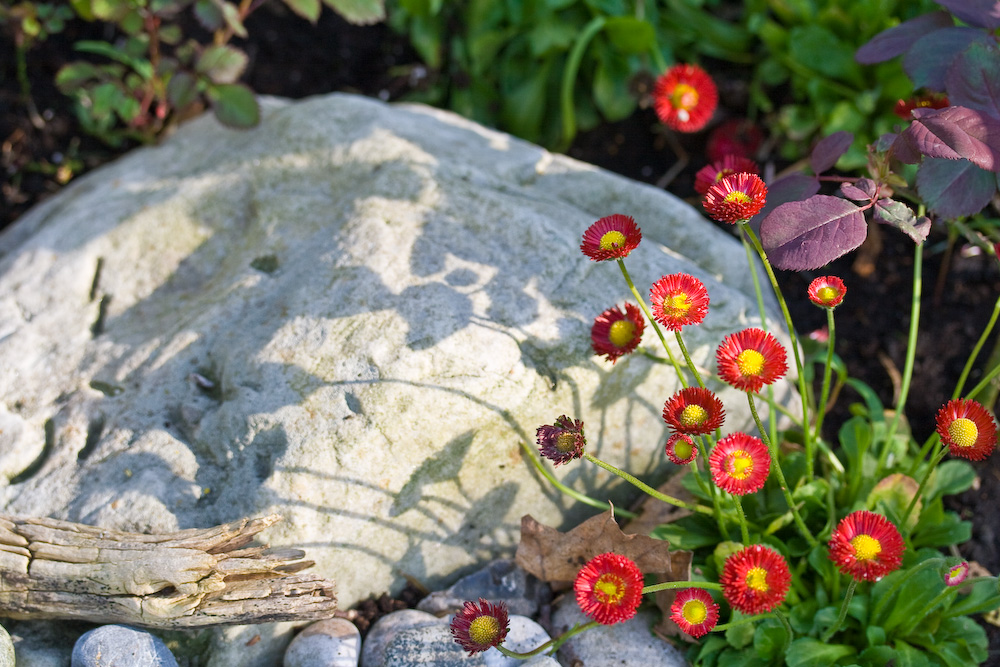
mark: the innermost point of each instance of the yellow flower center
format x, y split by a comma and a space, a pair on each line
682, 449
955, 572
963, 432
750, 362
756, 579
484, 630
738, 197
722, 173
826, 294
693, 415
621, 333
740, 464
566, 442
611, 240
694, 612
684, 97
866, 547
609, 589
677, 304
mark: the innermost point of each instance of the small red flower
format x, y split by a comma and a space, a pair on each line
680, 449
694, 410
712, 173
685, 98
694, 611
866, 546
904, 108
967, 428
477, 628
611, 237
755, 579
678, 300
616, 333
736, 136
562, 441
827, 291
736, 197
957, 574
751, 358
609, 588
740, 463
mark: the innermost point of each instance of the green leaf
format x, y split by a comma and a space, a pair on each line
182, 90
361, 12
809, 652
231, 17
769, 638
222, 64
142, 67
951, 477
234, 105
630, 35
916, 592
948, 530
877, 655
611, 88
690, 532
549, 38
209, 14
70, 77
875, 635
307, 9
909, 656
740, 636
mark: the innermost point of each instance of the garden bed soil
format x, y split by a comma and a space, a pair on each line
291, 59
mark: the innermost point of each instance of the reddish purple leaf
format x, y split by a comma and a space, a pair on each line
805, 235
898, 40
980, 13
828, 150
927, 62
954, 188
900, 216
868, 186
951, 133
974, 79
854, 193
793, 187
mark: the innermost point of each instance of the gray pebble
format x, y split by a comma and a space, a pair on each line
500, 581
121, 646
524, 635
386, 628
6, 649
628, 643
334, 642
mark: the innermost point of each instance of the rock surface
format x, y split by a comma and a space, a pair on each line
350, 316
627, 643
121, 646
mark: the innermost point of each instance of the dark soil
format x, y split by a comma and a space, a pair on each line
291, 59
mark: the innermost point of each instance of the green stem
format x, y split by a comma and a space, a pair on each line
552, 644
886, 597
975, 351
645, 487
984, 382
744, 529
772, 418
788, 630
843, 612
921, 616
923, 483
776, 466
687, 360
649, 317
740, 621
710, 490
806, 431
569, 77
672, 585
572, 493
824, 395
911, 352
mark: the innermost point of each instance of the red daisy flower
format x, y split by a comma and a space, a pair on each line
680, 449
478, 628
712, 173
957, 574
685, 98
736, 197
562, 441
740, 463
694, 410
678, 300
751, 358
904, 108
736, 136
694, 611
611, 237
967, 428
866, 546
609, 588
827, 291
616, 333
755, 579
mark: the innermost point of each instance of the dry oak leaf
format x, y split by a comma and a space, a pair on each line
557, 557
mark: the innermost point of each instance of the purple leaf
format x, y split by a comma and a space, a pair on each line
854, 193
900, 216
954, 188
828, 150
980, 13
974, 79
805, 235
897, 41
951, 133
928, 60
868, 186
793, 187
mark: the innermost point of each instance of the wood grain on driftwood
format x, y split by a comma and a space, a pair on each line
53, 569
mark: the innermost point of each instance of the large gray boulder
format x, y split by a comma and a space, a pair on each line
351, 316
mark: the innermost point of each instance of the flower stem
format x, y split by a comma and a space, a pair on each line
687, 360
552, 644
975, 351
843, 612
569, 77
772, 447
645, 487
827, 373
673, 585
649, 317
923, 482
740, 621
710, 490
744, 530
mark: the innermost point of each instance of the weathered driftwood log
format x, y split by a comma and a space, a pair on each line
56, 569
